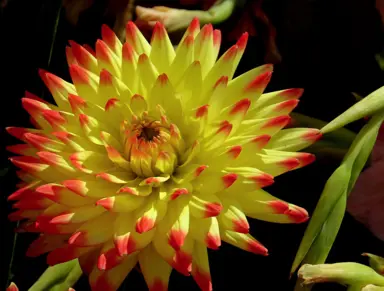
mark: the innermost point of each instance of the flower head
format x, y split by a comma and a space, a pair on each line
153, 155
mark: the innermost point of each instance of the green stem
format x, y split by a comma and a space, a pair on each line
10, 275
56, 25
54, 34
217, 14
59, 277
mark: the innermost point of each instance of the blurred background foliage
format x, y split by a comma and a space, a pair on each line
327, 47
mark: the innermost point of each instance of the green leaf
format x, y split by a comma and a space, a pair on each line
368, 106
326, 219
59, 277
334, 189
322, 245
365, 151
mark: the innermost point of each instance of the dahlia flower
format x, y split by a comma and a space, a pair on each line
153, 155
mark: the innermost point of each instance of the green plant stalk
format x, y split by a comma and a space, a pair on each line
217, 13
351, 274
322, 245
59, 277
376, 262
10, 275
368, 106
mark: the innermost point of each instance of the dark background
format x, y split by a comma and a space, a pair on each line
327, 48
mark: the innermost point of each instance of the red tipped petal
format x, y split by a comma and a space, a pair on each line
144, 224
229, 179
213, 241
176, 238
12, 287
241, 226
257, 248
213, 209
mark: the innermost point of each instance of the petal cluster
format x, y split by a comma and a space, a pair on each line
152, 155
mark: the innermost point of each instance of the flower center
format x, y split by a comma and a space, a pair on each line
148, 133
152, 147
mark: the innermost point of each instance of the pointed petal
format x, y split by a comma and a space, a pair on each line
244, 241
61, 195
206, 231
111, 279
294, 139
121, 203
94, 232
84, 81
106, 59
12, 287
162, 52
205, 206
136, 39
150, 214
200, 267
232, 217
110, 38
204, 51
129, 65
84, 58
182, 60
147, 71
155, 270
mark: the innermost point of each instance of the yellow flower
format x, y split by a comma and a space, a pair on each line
152, 155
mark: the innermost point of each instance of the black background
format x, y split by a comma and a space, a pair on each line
327, 48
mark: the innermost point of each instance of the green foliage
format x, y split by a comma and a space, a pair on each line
328, 215
59, 277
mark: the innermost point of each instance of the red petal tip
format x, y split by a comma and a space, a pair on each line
297, 214
313, 135
176, 239
200, 169
202, 111
241, 226
158, 285
194, 25
128, 52
290, 163
12, 287
306, 158
257, 248
178, 192
241, 107
259, 83
78, 74
213, 241
203, 279
78, 238
279, 121
242, 42
144, 224
107, 203
235, 151
212, 209
294, 93
159, 32
108, 35
229, 179
263, 180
